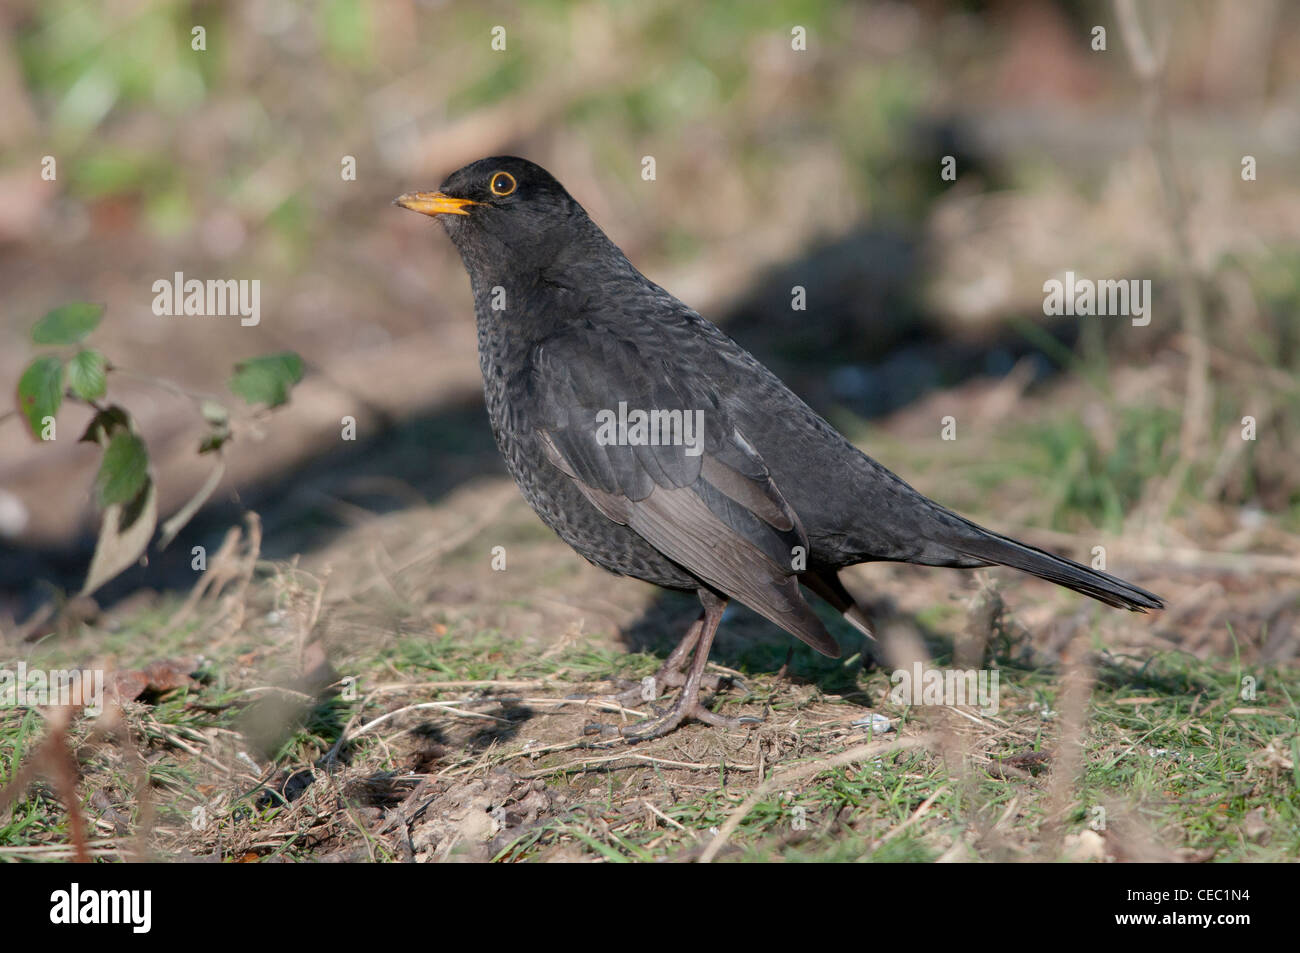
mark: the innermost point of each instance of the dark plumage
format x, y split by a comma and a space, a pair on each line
568, 328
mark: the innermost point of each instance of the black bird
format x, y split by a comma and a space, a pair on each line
745, 493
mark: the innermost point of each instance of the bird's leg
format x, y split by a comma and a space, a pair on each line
688, 702
670, 674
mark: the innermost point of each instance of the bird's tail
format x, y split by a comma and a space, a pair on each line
1003, 551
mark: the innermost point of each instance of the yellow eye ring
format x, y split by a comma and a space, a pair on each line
502, 183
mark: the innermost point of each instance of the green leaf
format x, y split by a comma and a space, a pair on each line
106, 423
88, 374
40, 392
68, 324
267, 379
124, 470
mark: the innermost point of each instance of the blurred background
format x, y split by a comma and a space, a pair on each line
774, 168
1107, 140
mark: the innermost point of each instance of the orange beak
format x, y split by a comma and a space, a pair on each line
433, 203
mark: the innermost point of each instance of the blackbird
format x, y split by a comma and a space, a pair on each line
659, 448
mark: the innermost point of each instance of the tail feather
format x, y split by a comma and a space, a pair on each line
826, 583
1003, 551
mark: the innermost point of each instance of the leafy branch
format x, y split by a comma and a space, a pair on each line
124, 486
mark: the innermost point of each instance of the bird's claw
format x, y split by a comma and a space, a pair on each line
635, 694
665, 721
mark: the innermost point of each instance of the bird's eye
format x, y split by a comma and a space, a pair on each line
503, 183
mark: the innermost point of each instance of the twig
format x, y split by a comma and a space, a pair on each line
186, 512
198, 397
480, 683
589, 763
1149, 66
915, 816
441, 706
661, 815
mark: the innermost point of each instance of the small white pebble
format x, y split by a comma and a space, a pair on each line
1251, 517
1165, 753
14, 515
874, 723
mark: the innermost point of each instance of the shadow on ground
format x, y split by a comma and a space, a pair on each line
862, 345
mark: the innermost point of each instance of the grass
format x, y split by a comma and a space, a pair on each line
1169, 745
432, 734
445, 723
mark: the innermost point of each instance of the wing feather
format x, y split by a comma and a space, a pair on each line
717, 512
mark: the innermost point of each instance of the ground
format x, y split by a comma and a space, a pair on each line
351, 678
388, 698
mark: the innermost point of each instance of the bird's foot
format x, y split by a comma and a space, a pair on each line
665, 721
654, 686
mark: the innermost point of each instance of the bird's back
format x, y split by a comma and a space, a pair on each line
852, 508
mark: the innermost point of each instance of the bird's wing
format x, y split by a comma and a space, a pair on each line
705, 499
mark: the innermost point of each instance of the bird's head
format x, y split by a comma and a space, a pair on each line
503, 212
